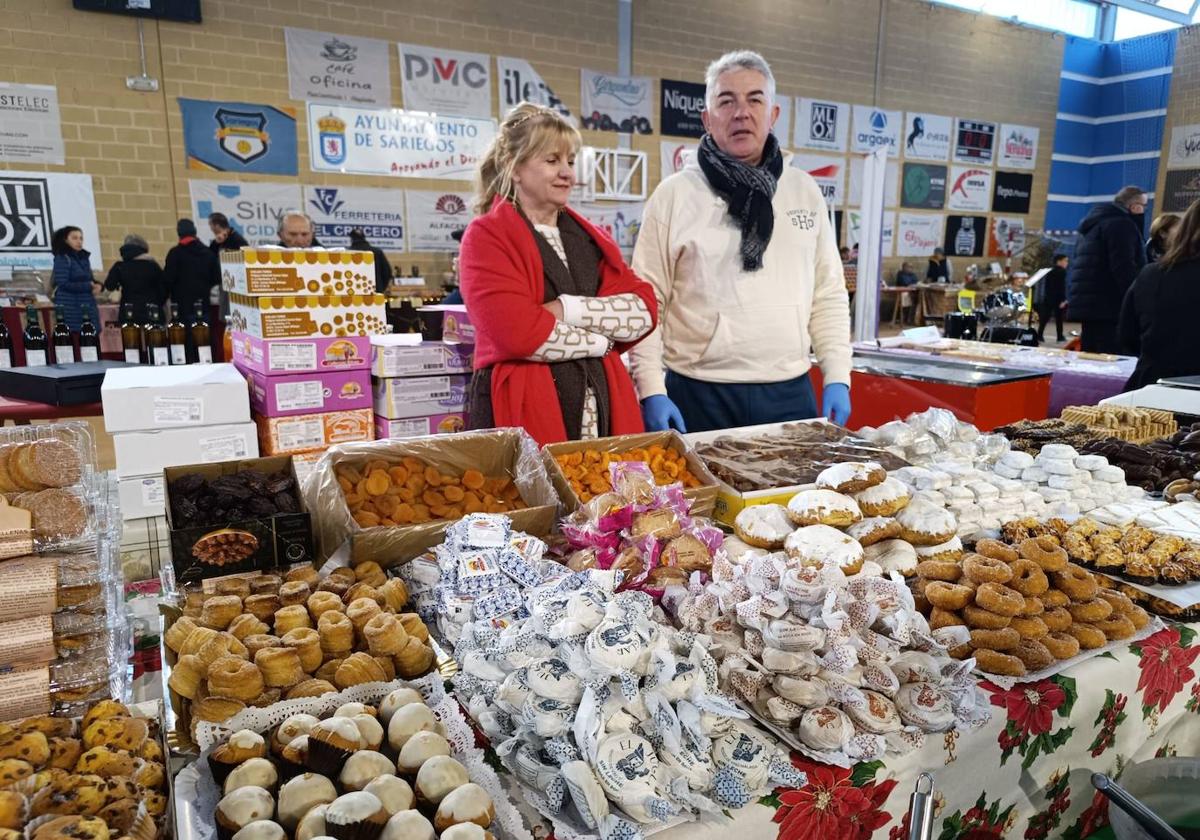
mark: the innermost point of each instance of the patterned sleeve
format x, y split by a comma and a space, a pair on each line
567, 343
619, 317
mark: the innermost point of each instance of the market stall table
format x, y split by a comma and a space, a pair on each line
934, 300
23, 412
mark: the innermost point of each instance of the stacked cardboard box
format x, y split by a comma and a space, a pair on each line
419, 387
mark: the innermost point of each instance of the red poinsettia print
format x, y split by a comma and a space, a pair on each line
1093, 818
1058, 794
1193, 703
1031, 709
983, 821
1166, 660
1112, 714
836, 802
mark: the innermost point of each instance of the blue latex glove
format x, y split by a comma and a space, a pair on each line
836, 401
660, 414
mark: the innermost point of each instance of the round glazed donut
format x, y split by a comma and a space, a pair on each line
986, 569
947, 570
1030, 627
1090, 611
1138, 617
939, 618
1033, 606
1077, 582
1119, 600
1116, 627
995, 662
979, 618
1028, 578
996, 550
948, 596
1089, 637
1055, 598
1034, 654
1061, 645
1005, 639
1046, 552
1057, 620
999, 599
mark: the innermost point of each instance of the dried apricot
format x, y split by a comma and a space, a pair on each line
412, 464
432, 477
345, 484
453, 494
399, 475
439, 511
473, 479
403, 514
378, 482
366, 519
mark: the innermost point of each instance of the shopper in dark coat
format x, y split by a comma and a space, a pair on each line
1158, 317
1050, 298
191, 272
1108, 256
225, 238
138, 276
74, 285
383, 269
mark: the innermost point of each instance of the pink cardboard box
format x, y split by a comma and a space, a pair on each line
438, 424
308, 393
276, 356
456, 323
392, 355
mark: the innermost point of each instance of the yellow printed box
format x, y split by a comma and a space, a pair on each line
308, 316
297, 271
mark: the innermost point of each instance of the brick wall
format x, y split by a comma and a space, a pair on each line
1185, 94
934, 58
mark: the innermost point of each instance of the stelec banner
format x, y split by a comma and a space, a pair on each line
323, 67
33, 205
398, 143
518, 82
433, 216
927, 136
238, 137
378, 213
254, 210
821, 124
30, 127
446, 81
616, 103
680, 105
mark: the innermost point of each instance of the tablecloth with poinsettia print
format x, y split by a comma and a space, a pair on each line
1025, 774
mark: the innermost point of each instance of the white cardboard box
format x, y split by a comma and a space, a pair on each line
142, 496
147, 397
148, 453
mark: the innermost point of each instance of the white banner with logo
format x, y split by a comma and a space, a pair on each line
323, 67
1018, 146
446, 81
622, 220
33, 204
518, 82
402, 144
927, 136
891, 186
875, 128
1006, 236
674, 157
254, 210
854, 230
30, 128
378, 213
829, 173
969, 188
919, 233
1185, 146
821, 124
433, 216
616, 103
783, 126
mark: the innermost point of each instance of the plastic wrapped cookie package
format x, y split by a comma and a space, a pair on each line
936, 435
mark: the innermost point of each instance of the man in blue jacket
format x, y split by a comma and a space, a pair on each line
1108, 256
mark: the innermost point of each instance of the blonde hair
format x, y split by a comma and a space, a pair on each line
528, 131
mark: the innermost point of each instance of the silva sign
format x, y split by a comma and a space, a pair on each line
875, 128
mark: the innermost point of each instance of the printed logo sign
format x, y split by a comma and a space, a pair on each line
1006, 237
254, 210
965, 236
1013, 192
32, 131
875, 128
674, 157
970, 188
445, 81
828, 172
238, 137
33, 204
680, 107
620, 220
433, 216
323, 67
821, 124
1182, 189
918, 234
924, 186
974, 141
519, 82
1185, 146
854, 231
616, 103
393, 142
927, 136
891, 180
1018, 146
378, 213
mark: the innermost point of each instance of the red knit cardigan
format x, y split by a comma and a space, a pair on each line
503, 284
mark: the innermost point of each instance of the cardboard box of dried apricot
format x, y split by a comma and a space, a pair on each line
579, 468
297, 271
389, 500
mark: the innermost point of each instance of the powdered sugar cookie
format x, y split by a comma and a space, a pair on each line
823, 507
874, 529
851, 477
763, 526
814, 545
926, 525
893, 556
885, 499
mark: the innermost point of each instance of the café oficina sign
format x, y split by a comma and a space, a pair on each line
402, 144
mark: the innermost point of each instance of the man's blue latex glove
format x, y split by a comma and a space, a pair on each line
836, 401
660, 414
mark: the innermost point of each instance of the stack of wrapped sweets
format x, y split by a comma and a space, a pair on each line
935, 435
610, 718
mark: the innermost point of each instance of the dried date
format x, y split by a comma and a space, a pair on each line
199, 501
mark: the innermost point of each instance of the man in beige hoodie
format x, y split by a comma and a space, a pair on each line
741, 254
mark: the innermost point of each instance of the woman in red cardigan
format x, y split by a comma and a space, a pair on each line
553, 303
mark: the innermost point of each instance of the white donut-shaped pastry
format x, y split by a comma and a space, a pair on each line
815, 545
763, 526
893, 556
884, 499
874, 529
851, 477
823, 507
926, 525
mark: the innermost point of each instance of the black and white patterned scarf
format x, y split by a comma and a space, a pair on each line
748, 191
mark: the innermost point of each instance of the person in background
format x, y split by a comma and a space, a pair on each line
191, 271
906, 277
742, 256
74, 286
454, 296
1158, 315
224, 237
553, 303
1050, 298
138, 276
296, 231
939, 268
1160, 236
1109, 253
383, 268
844, 252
